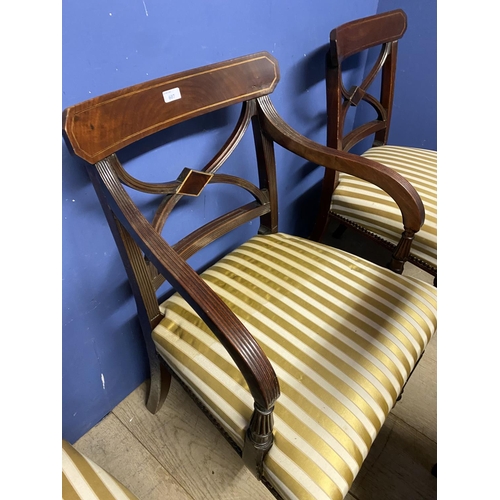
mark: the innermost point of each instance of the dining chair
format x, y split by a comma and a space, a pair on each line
354, 202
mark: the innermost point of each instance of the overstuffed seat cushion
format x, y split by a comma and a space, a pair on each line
342, 335
82, 479
371, 208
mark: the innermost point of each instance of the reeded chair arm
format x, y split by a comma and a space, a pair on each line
394, 184
237, 340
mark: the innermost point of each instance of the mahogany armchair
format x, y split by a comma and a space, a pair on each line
295, 350
354, 202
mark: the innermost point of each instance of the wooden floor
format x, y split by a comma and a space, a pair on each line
178, 454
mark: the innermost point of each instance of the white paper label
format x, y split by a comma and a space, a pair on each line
171, 95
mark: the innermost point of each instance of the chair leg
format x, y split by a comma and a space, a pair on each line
400, 397
160, 379
396, 265
339, 231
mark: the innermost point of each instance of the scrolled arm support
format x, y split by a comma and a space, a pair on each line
394, 184
402, 251
258, 439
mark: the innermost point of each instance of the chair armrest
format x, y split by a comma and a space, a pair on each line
394, 184
237, 340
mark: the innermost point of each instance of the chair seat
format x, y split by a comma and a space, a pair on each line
82, 479
342, 335
371, 208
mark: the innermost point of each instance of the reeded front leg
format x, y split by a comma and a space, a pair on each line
258, 440
400, 255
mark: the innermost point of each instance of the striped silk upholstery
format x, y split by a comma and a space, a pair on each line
370, 207
342, 334
82, 479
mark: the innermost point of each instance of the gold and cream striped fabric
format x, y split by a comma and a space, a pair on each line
82, 479
343, 336
370, 207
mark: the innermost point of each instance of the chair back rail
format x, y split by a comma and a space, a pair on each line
103, 125
362, 34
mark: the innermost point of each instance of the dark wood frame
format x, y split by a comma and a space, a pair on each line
384, 30
97, 129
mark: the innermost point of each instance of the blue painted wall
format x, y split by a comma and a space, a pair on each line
414, 116
107, 45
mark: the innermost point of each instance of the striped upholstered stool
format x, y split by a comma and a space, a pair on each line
371, 208
336, 329
82, 479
